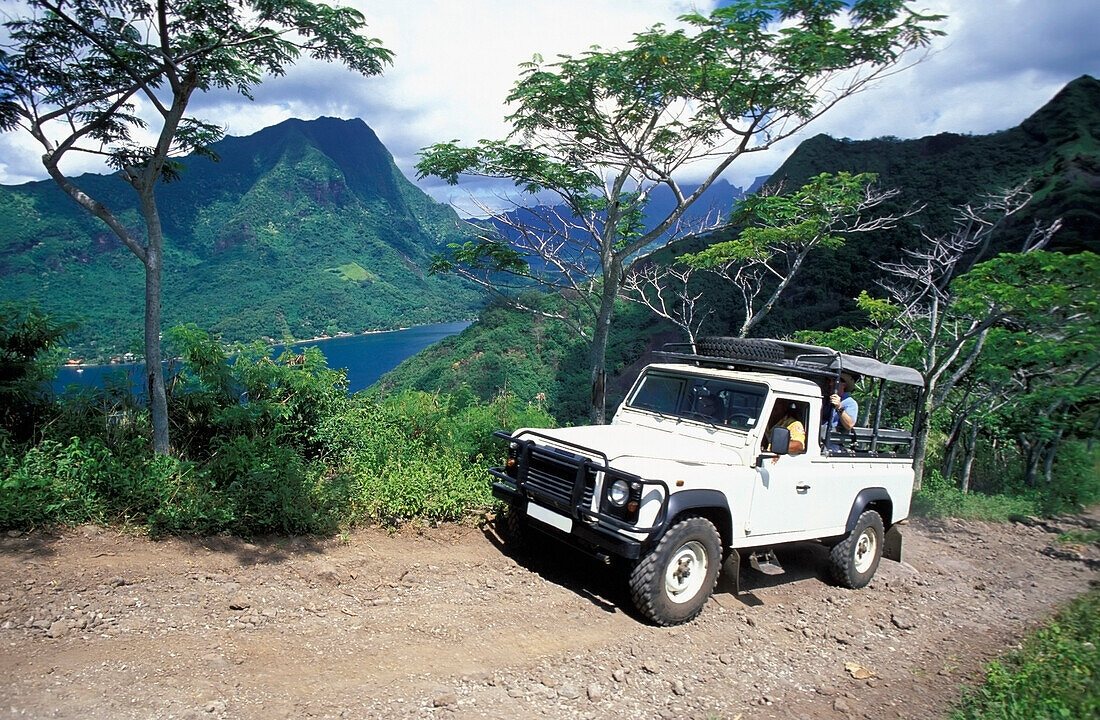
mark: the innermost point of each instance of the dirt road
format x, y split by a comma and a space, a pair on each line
441, 623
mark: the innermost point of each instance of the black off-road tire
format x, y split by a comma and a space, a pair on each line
854, 560
511, 526
672, 583
739, 348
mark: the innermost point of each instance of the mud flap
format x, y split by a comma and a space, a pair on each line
891, 544
730, 578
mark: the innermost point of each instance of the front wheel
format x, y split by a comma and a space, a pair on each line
853, 561
511, 526
672, 584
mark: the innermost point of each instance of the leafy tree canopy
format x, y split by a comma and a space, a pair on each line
602, 129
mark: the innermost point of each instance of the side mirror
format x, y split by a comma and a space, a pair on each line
779, 443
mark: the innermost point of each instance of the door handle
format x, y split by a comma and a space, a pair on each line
801, 488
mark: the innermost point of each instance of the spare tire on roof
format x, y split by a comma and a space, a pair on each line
739, 348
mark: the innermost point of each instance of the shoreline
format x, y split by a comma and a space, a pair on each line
294, 343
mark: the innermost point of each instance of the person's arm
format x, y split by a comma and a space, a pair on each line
846, 412
798, 439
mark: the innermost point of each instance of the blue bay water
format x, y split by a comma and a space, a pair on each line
366, 357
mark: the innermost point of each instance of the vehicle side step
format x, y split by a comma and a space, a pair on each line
766, 562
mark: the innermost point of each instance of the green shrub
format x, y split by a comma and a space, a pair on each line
29, 356
189, 505
940, 498
419, 455
261, 446
284, 398
1054, 676
1074, 480
80, 481
266, 488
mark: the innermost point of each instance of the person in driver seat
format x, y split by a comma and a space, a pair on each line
786, 415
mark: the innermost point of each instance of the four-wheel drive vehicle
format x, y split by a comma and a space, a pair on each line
691, 471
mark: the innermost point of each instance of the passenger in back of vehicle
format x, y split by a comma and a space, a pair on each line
845, 410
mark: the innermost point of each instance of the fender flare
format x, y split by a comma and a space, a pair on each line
866, 497
713, 502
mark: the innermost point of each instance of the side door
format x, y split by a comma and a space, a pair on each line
790, 495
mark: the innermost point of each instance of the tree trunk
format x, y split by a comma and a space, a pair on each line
952, 445
1031, 460
922, 423
1051, 452
952, 454
154, 369
968, 462
598, 351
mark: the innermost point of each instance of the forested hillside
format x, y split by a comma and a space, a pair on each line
300, 230
1055, 150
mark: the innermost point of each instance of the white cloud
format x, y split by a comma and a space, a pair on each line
455, 63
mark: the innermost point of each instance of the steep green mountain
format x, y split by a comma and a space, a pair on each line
302, 229
1056, 149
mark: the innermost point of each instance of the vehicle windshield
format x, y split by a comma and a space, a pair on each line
711, 400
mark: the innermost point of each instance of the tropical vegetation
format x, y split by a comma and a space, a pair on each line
1054, 673
260, 445
72, 77
601, 132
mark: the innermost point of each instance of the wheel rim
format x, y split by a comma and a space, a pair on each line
865, 551
685, 572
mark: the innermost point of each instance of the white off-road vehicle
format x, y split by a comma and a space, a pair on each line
691, 474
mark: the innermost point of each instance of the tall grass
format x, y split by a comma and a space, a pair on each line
1055, 675
941, 498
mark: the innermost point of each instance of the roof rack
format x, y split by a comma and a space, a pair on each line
793, 358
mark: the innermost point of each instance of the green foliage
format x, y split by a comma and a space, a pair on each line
282, 399
941, 498
264, 446
80, 481
28, 358
102, 55
1079, 537
808, 216
422, 455
1055, 675
1074, 482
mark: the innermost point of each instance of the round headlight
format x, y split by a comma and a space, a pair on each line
618, 493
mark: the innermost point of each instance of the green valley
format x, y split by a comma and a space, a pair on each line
301, 230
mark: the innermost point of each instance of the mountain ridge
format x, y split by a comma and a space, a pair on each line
303, 229
1056, 149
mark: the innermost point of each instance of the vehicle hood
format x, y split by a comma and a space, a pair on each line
651, 452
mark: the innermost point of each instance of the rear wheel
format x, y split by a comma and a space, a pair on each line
672, 584
854, 560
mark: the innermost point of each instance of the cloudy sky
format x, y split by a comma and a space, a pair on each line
455, 62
